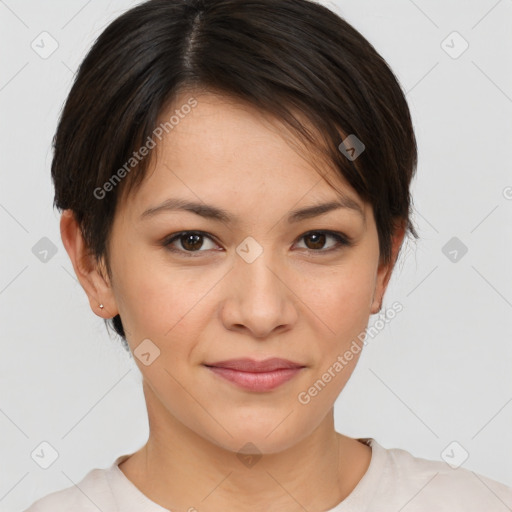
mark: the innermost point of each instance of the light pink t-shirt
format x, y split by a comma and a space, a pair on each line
394, 481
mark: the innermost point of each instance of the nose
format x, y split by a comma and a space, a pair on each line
259, 298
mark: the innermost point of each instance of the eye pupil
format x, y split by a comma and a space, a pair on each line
318, 240
195, 239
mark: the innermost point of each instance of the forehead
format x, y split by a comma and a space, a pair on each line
221, 129
225, 148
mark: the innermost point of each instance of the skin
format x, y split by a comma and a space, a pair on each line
290, 302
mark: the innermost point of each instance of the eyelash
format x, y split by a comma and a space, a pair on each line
342, 242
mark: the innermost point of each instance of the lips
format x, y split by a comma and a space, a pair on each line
253, 366
256, 376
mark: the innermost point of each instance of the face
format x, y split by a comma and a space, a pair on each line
257, 283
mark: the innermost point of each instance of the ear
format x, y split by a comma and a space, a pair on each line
385, 270
92, 276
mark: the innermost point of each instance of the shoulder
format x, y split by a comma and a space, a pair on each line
91, 494
420, 485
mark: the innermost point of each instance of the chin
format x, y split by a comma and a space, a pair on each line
274, 435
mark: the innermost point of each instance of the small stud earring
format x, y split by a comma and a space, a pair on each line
101, 306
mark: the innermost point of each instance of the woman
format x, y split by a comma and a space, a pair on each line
234, 180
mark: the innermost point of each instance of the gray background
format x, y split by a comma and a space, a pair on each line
438, 372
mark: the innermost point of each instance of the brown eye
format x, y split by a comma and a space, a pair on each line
191, 242
315, 241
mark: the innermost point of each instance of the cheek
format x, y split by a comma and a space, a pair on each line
163, 302
141, 293
340, 298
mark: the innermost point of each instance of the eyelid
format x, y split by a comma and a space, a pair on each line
341, 239
167, 241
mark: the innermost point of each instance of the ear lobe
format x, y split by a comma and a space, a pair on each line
88, 271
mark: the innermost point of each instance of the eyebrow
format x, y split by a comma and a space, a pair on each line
218, 214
